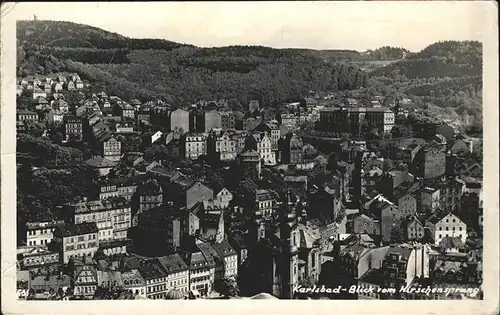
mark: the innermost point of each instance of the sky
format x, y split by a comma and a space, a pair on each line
358, 25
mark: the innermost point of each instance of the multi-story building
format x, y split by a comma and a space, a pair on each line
446, 224
429, 162
357, 259
73, 127
222, 198
228, 121
415, 229
55, 117
450, 194
351, 120
265, 200
239, 140
287, 122
429, 199
201, 270
222, 146
25, 115
37, 92
40, 260
84, 275
76, 240
143, 116
148, 195
250, 160
156, 279
41, 233
253, 105
230, 258
194, 146
403, 263
60, 105
261, 143
177, 273
111, 149
208, 120
111, 215
291, 149
364, 224
132, 280
272, 130
124, 110
158, 231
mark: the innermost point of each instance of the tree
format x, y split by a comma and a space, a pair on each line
34, 128
229, 287
401, 131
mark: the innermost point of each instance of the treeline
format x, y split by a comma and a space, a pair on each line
37, 152
86, 55
461, 52
387, 53
73, 35
231, 64
442, 59
113, 85
271, 83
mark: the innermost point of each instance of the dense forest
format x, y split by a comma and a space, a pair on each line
442, 59
387, 53
179, 73
445, 75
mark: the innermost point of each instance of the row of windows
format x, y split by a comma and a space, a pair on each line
43, 231
447, 235
34, 243
156, 288
89, 254
81, 238
85, 289
44, 259
85, 279
200, 279
453, 228
81, 246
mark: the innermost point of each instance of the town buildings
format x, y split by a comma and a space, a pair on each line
352, 120
76, 240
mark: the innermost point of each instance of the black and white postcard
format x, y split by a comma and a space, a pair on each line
315, 152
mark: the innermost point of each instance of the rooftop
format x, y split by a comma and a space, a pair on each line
79, 229
172, 263
99, 162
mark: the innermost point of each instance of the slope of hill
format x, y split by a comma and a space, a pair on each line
442, 59
73, 35
387, 53
145, 68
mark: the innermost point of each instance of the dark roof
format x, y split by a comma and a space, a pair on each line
373, 276
172, 263
197, 260
79, 229
149, 187
239, 240
99, 162
400, 250
151, 269
225, 249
